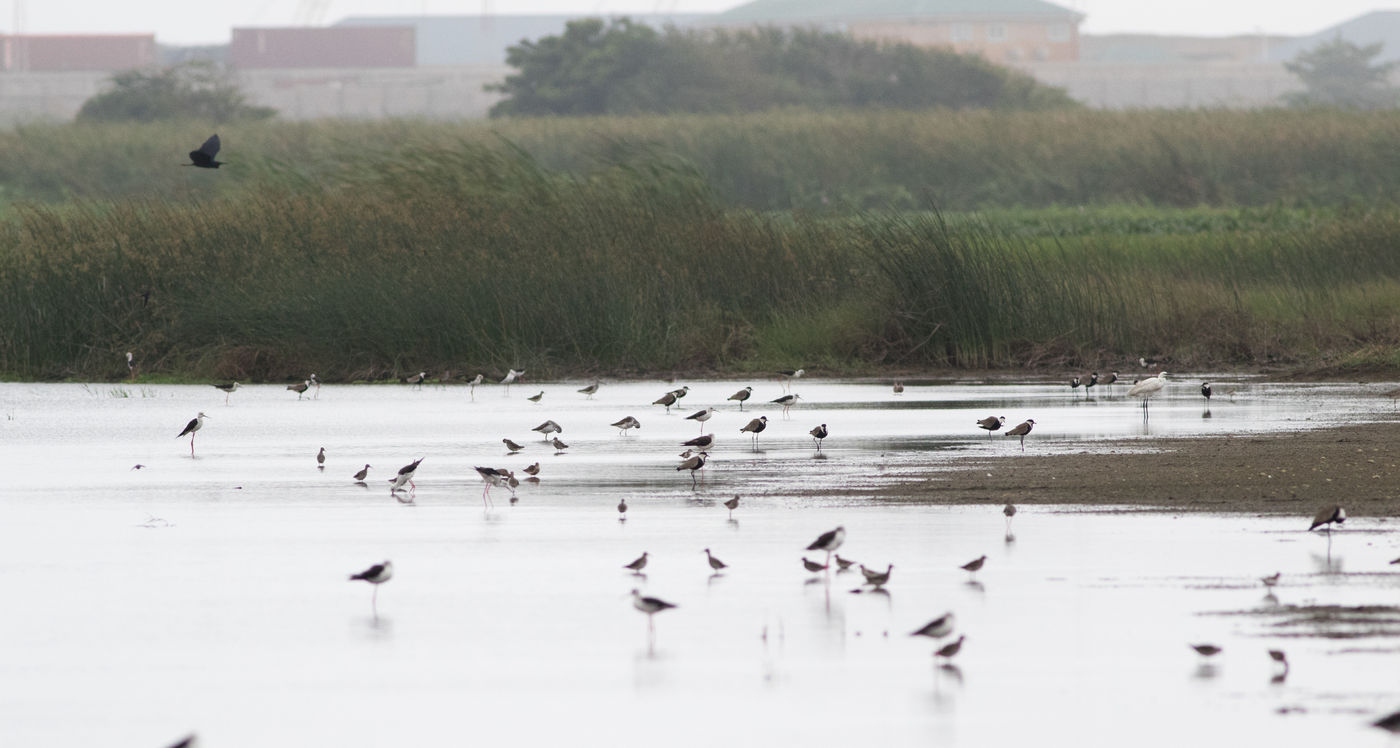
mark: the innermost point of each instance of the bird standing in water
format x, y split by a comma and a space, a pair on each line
194, 425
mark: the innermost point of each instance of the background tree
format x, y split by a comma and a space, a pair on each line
190, 90
1341, 75
621, 67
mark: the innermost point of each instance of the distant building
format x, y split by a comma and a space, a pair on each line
445, 41
333, 47
1136, 49
1379, 26
61, 53
1004, 31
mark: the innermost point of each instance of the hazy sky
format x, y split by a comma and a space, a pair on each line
184, 22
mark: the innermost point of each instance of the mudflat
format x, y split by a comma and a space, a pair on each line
1357, 467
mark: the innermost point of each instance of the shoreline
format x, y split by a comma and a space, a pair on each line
1297, 473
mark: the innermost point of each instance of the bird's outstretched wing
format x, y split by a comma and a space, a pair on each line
206, 153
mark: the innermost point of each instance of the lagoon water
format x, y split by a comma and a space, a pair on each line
209, 593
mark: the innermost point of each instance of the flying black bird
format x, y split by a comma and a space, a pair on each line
204, 157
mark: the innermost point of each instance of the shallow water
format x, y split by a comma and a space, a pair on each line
209, 593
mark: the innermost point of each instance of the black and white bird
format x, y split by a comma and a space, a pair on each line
300, 388
829, 541
375, 575
991, 423
590, 390
700, 443
492, 477
786, 401
547, 428
666, 400
512, 376
938, 627
536, 397
131, 365
626, 424
788, 375
974, 565
741, 396
731, 505
702, 416
715, 564
474, 381
512, 446
1205, 390
194, 425
681, 392
637, 564
203, 157
649, 605
1074, 383
228, 389
1111, 378
321, 459
1022, 430
818, 434
693, 463
1090, 382
755, 427
405, 475
417, 379
362, 474
1327, 515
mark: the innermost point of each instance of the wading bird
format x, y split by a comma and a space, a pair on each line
512, 376
417, 379
876, 578
786, 401
1271, 581
1327, 515
649, 605
991, 423
228, 389
788, 375
937, 628
622, 510
321, 459
1090, 382
536, 397
375, 575
733, 504
843, 564
559, 445
812, 566
204, 156
829, 541
1147, 388
700, 443
973, 566
533, 469
702, 416
405, 476
364, 473
474, 381
694, 463
590, 390
627, 423
638, 564
948, 651
741, 396
1021, 431
899, 388
818, 434
667, 400
715, 564
1206, 650
1010, 511
194, 425
547, 428
755, 427
1205, 390
301, 388
492, 477
131, 365
512, 446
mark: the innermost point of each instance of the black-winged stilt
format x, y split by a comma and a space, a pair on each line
512, 446
474, 381
375, 575
1021, 431
702, 416
1147, 388
623, 425
755, 427
731, 505
512, 376
1327, 515
228, 389
649, 605
405, 476
637, 564
701, 443
694, 463
786, 401
786, 377
590, 390
829, 541
491, 477
991, 423
194, 425
715, 564
741, 396
818, 434
938, 627
547, 428
203, 157
364, 473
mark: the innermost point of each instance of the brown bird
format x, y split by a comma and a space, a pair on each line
812, 566
1206, 650
547, 428
843, 564
876, 578
536, 397
991, 423
1328, 516
1021, 431
974, 565
512, 446
622, 510
818, 434
899, 388
533, 469
1010, 511
626, 423
364, 473
300, 389
559, 445
1389, 724
1270, 580
639, 564
701, 443
731, 505
741, 396
590, 390
694, 463
755, 427
715, 563
321, 459
949, 650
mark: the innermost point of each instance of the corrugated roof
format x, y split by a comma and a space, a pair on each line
830, 10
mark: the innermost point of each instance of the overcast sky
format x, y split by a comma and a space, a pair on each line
186, 22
